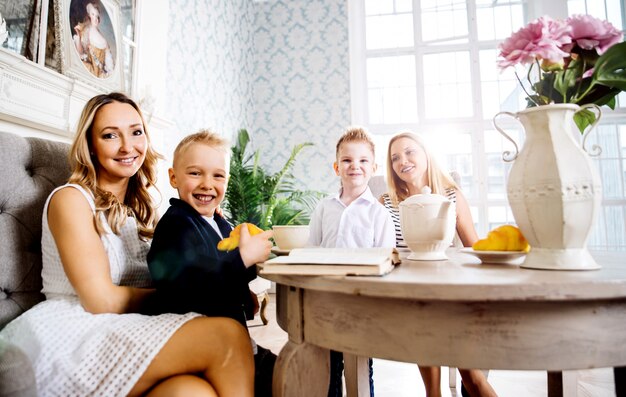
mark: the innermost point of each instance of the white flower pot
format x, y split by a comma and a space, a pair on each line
553, 188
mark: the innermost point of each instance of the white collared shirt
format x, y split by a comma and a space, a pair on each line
365, 223
213, 224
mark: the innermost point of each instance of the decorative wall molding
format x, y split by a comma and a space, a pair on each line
39, 98
36, 101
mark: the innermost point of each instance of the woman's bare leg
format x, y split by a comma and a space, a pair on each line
218, 349
183, 386
432, 380
476, 383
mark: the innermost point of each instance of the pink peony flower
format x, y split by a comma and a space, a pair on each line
558, 67
589, 33
539, 40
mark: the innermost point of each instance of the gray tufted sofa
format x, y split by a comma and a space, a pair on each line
30, 168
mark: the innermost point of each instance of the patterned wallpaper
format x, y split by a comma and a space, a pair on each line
280, 68
210, 65
302, 84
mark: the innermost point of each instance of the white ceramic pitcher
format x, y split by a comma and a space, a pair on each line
427, 222
553, 188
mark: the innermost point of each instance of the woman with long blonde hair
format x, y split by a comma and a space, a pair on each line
410, 167
87, 337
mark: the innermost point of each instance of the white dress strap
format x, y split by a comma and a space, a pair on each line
81, 189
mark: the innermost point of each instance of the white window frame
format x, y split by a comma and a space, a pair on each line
359, 91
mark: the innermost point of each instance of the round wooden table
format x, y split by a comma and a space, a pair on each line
457, 313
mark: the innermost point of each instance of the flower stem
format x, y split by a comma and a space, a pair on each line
584, 94
530, 98
576, 98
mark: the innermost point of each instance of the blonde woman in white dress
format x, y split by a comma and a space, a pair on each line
87, 338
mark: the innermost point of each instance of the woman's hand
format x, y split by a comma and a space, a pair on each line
219, 211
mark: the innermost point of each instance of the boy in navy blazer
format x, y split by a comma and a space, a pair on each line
190, 274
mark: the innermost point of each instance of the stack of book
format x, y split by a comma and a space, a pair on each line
334, 261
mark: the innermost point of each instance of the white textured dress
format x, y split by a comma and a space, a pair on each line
76, 353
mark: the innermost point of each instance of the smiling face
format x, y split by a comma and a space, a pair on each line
200, 175
118, 142
408, 160
355, 164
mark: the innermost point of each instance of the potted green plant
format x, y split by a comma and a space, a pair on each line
266, 199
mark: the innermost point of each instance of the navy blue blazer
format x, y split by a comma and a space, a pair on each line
189, 272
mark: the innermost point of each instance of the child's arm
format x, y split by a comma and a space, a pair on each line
254, 249
315, 227
385, 232
190, 275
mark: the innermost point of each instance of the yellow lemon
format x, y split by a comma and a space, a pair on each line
232, 241
503, 238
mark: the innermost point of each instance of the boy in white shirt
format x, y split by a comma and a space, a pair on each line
352, 218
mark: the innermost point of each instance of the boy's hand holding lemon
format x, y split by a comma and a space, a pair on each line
253, 242
232, 241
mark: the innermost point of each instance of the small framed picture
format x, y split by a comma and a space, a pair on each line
89, 41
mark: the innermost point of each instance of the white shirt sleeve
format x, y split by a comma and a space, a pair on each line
315, 226
386, 232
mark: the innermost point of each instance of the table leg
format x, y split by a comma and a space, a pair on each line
620, 381
357, 372
562, 383
265, 300
301, 370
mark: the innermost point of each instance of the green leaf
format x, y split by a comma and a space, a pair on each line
565, 82
611, 103
601, 96
610, 68
254, 195
583, 119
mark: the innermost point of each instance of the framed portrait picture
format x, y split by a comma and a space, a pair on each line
89, 41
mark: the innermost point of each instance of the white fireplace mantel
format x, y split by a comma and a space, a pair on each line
36, 98
37, 101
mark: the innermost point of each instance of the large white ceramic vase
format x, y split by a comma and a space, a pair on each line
553, 188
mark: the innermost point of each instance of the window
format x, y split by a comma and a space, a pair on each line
129, 43
430, 66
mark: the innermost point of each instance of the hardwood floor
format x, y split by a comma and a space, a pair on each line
396, 379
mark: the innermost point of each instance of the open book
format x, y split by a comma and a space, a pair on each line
334, 261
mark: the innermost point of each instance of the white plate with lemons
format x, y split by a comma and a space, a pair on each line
496, 257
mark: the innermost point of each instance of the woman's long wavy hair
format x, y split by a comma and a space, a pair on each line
137, 202
438, 179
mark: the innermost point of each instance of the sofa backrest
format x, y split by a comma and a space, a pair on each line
30, 168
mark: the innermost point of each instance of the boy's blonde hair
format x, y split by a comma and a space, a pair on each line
438, 179
205, 137
355, 134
